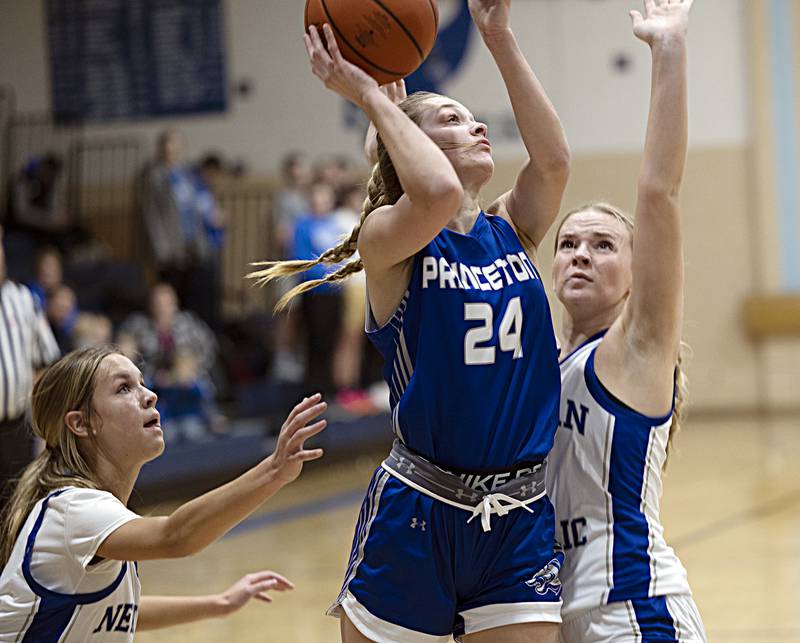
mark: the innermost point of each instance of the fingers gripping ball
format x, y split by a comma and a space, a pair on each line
388, 39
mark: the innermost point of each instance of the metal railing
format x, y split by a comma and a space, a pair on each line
250, 236
101, 179
103, 175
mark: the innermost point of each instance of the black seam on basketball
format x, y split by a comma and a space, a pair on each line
435, 16
403, 27
356, 51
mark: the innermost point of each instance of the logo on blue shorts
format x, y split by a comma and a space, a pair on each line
546, 579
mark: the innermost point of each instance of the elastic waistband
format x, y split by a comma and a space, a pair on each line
426, 477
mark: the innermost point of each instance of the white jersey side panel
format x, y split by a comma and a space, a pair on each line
604, 479
49, 591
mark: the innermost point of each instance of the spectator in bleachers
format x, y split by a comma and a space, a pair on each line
49, 274
91, 329
174, 216
291, 201
62, 313
177, 352
321, 308
210, 170
72, 327
38, 200
291, 198
350, 344
337, 171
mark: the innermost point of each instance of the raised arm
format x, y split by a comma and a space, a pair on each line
638, 355
654, 313
199, 522
533, 203
432, 191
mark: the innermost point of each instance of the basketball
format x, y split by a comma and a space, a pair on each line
388, 39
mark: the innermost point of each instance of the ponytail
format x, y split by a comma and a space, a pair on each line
45, 474
68, 385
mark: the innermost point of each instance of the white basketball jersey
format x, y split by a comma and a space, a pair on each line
49, 591
604, 478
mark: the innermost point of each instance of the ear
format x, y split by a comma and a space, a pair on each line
76, 423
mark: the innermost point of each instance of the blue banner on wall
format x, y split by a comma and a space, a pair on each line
130, 59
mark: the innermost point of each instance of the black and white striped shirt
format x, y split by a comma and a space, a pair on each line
26, 344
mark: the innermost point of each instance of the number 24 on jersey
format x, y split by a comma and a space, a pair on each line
509, 333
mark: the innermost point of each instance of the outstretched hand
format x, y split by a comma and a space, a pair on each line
255, 585
490, 16
331, 68
290, 452
662, 18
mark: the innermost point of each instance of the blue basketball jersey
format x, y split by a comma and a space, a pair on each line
470, 353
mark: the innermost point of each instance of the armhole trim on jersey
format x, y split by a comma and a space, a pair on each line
395, 321
583, 345
604, 399
40, 590
371, 327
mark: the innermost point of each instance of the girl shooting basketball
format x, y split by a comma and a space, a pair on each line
456, 533
68, 539
622, 291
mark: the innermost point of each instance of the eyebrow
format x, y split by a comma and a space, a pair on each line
126, 376
456, 108
594, 233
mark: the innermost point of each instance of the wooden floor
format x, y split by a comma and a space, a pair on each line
731, 509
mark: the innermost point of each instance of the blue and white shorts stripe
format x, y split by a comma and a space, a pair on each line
672, 618
418, 572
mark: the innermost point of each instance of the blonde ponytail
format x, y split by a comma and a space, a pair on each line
67, 385
681, 398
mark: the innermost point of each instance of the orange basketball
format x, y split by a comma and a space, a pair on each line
386, 38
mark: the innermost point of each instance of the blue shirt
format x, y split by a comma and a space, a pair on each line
313, 235
184, 193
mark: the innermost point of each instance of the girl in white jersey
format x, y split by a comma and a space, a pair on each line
68, 542
622, 291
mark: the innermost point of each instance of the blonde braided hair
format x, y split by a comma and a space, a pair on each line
383, 188
681, 381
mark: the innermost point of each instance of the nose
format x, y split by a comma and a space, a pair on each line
581, 255
480, 129
150, 398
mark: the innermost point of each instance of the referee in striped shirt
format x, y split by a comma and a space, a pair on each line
26, 344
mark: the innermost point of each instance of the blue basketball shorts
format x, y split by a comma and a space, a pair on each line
419, 572
661, 619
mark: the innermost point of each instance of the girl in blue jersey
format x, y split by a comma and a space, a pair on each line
68, 540
622, 291
456, 533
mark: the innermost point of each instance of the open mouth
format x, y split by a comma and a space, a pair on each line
152, 423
